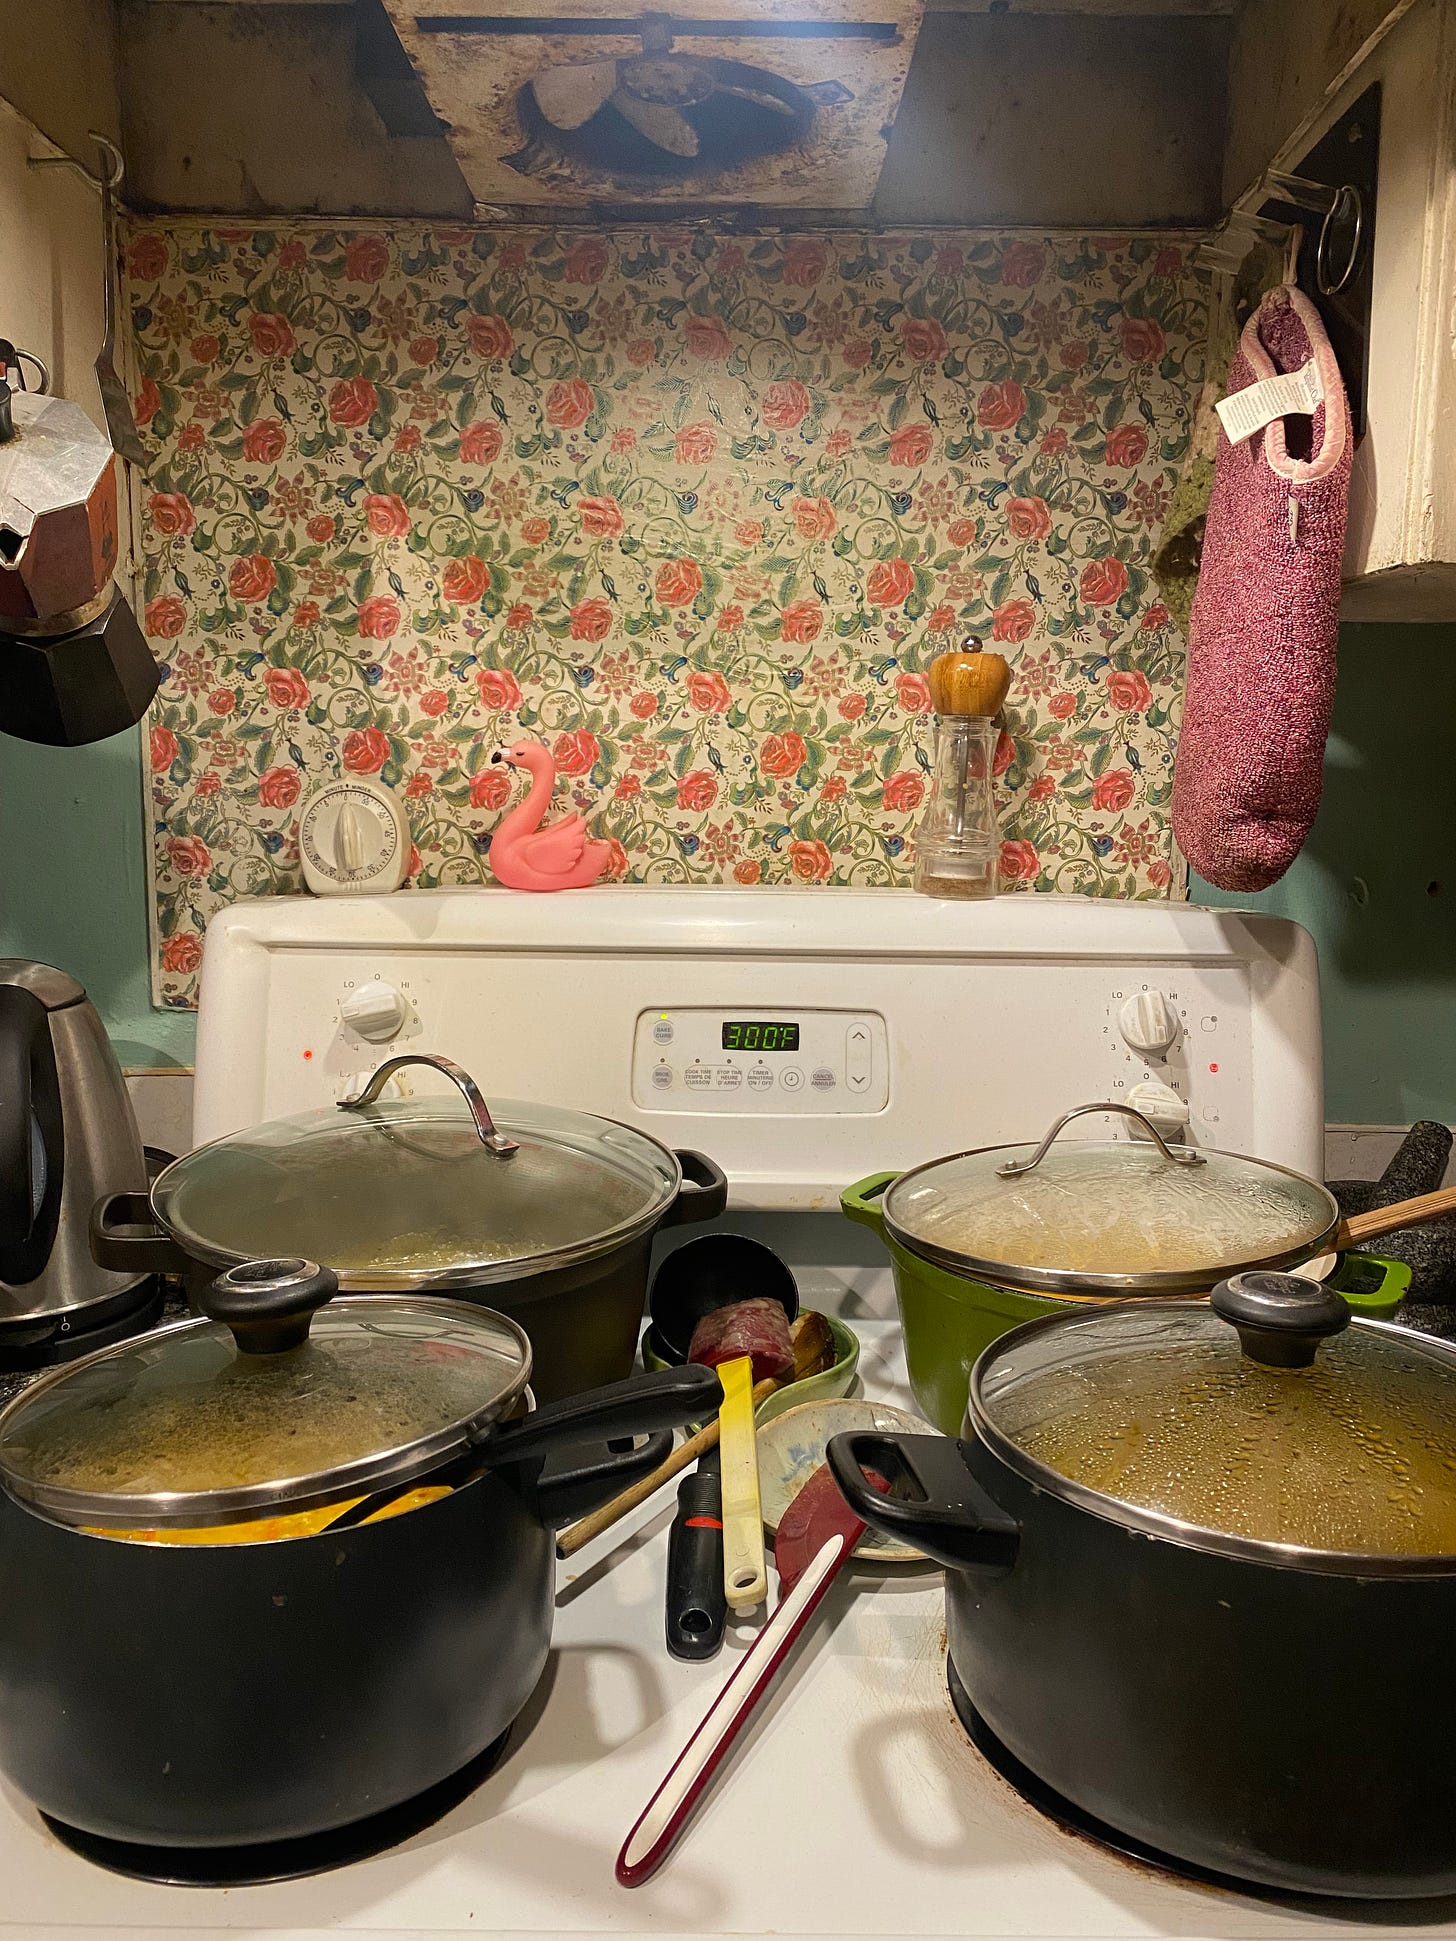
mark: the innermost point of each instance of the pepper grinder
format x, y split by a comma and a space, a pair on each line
958, 844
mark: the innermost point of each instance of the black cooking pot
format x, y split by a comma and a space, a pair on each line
549, 1219
222, 1693
1203, 1586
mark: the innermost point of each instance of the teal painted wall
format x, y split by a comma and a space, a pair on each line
1376, 883
73, 884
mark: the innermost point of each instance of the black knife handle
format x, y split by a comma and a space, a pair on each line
697, 1607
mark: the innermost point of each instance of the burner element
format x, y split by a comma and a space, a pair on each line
316, 1853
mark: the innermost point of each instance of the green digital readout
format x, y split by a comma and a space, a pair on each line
758, 1036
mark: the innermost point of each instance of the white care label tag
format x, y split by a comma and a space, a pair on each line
1244, 412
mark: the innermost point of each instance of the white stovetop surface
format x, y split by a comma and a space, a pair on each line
854, 1807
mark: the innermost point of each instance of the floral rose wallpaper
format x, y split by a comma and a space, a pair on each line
695, 510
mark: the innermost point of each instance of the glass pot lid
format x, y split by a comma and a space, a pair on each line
280, 1397
400, 1193
1262, 1423
1107, 1218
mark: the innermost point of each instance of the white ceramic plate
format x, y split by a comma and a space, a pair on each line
791, 1448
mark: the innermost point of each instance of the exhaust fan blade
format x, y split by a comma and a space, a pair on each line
661, 124
571, 94
759, 99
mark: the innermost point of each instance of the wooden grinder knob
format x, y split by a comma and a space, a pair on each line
968, 682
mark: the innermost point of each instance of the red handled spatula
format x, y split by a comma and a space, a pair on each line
816, 1537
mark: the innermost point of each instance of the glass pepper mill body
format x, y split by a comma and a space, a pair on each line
958, 843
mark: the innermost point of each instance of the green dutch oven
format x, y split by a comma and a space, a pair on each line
984, 1240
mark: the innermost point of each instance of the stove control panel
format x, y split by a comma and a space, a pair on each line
789, 1061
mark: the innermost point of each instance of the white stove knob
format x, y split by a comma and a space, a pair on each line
1147, 1022
1160, 1104
376, 1011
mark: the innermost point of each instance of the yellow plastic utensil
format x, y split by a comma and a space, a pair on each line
745, 1575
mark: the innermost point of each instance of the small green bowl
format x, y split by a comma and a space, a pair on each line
828, 1385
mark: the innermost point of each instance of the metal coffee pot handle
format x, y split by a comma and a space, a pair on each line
1184, 1156
497, 1142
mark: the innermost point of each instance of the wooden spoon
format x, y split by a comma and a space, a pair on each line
813, 1344
1381, 1220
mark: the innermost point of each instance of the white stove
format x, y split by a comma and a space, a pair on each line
855, 1805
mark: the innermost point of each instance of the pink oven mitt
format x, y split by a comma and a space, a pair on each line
1261, 646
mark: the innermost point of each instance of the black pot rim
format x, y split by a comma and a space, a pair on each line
1075, 1285
1137, 1520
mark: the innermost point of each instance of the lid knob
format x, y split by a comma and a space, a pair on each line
1281, 1318
269, 1304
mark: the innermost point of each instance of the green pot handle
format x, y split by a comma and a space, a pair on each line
1376, 1299
861, 1202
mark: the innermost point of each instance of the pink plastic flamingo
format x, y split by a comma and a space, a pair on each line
525, 856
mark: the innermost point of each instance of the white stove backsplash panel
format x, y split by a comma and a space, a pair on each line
802, 1039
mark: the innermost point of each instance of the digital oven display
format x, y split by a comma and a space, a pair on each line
755, 1035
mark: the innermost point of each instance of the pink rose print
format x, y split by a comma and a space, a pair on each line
924, 339
730, 619
387, 514
805, 261
575, 753
748, 532
278, 788
434, 702
189, 855
1112, 791
490, 789
586, 261
852, 706
535, 532
464, 581
1001, 406
591, 620
147, 259
747, 871
264, 441
891, 582
1104, 581
695, 444
378, 617
910, 445
707, 338
814, 518
252, 579
366, 750
811, 861
709, 693
480, 443
1155, 617
171, 514
366, 259
1019, 862
801, 622
963, 532
490, 338
570, 404
783, 756
1013, 620
1129, 691
498, 688
272, 334
903, 792
679, 582
1028, 518
424, 350
162, 744
600, 518
148, 402
912, 691
519, 616
222, 700
204, 348
352, 401
785, 405
1062, 706
1126, 445
1022, 265
1142, 339
644, 706
697, 791
286, 687
182, 954
321, 528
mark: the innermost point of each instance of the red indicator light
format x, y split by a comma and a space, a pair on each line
309, 1054
1212, 1068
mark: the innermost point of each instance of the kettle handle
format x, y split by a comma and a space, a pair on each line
29, 1091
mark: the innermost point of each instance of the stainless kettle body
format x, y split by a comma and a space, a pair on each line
68, 1136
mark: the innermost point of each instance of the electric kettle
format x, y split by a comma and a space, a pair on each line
68, 1136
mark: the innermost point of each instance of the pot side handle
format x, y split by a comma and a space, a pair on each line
127, 1239
563, 1495
666, 1399
952, 1519
861, 1202
703, 1193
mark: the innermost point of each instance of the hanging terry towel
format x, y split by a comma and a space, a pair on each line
1262, 639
